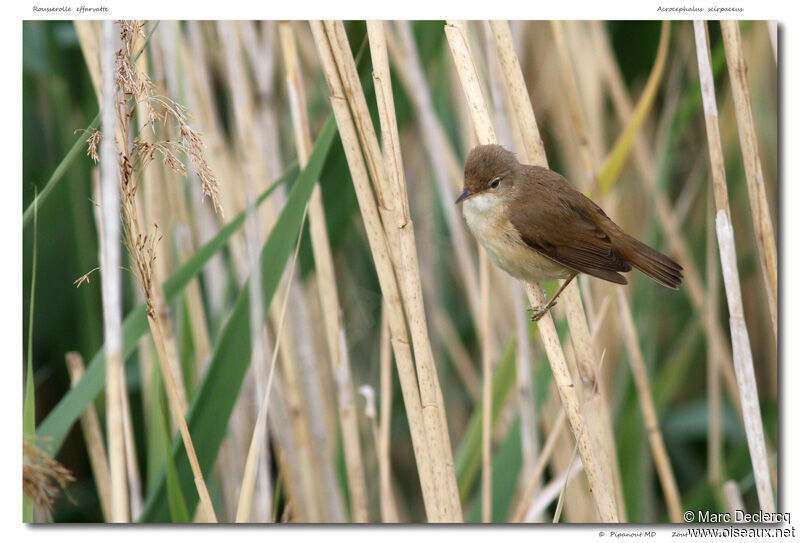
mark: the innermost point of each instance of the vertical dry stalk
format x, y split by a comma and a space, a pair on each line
742, 355
326, 281
131, 464
743, 363
112, 281
390, 189
602, 489
383, 265
663, 466
444, 164
715, 437
430, 390
759, 208
93, 436
388, 506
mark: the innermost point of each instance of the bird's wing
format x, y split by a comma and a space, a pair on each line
565, 226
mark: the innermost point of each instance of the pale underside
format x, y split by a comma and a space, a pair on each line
487, 218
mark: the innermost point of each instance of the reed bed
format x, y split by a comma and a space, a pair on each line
341, 264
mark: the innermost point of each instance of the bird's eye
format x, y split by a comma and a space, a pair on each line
495, 182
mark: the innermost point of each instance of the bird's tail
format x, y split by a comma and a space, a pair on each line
655, 265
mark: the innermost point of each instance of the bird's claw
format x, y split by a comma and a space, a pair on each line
538, 311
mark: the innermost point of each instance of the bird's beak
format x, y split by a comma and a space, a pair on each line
464, 195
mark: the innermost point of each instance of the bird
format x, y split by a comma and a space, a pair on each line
537, 227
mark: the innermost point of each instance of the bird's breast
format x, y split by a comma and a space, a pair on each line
488, 219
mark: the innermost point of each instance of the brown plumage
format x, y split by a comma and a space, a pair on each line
514, 208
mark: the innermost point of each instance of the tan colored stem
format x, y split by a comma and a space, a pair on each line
759, 208
389, 184
388, 506
742, 355
386, 278
444, 163
111, 280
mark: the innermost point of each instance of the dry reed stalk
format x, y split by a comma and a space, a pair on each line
759, 208
715, 437
742, 355
388, 506
733, 498
326, 281
526, 495
602, 489
663, 466
93, 436
444, 163
390, 189
484, 323
198, 88
111, 261
743, 363
131, 464
383, 265
529, 435
645, 163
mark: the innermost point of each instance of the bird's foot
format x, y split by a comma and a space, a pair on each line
538, 311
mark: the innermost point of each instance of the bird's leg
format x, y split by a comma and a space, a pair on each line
539, 310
